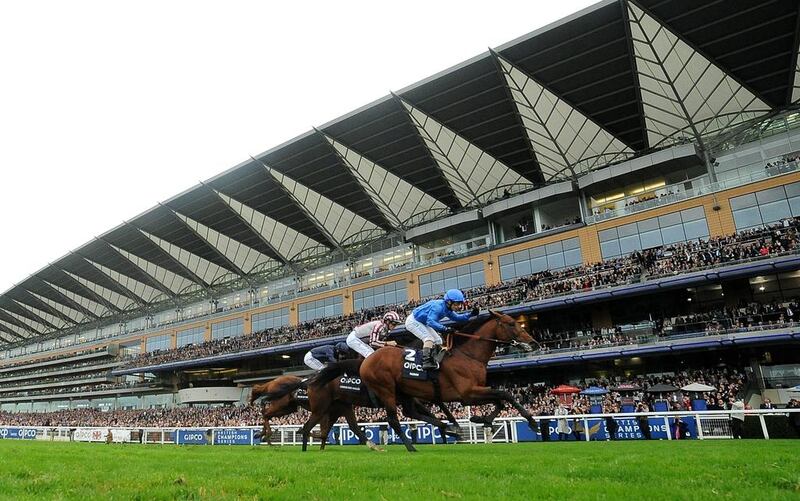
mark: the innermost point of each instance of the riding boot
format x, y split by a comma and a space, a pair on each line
428, 363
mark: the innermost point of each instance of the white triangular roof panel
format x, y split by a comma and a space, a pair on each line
563, 138
98, 309
148, 293
172, 281
243, 256
37, 326
46, 316
398, 199
109, 295
285, 240
470, 171
342, 223
76, 316
681, 88
203, 268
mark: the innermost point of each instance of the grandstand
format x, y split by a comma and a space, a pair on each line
624, 182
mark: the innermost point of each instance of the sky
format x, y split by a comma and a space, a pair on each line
107, 108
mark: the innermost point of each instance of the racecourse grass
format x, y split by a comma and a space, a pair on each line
596, 470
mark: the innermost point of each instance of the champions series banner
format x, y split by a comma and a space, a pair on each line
627, 429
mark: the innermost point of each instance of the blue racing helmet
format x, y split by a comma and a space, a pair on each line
342, 347
454, 295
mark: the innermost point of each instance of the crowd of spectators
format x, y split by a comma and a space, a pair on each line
687, 256
536, 398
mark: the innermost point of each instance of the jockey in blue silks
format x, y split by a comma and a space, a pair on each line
425, 323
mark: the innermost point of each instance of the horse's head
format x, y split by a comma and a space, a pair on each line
507, 329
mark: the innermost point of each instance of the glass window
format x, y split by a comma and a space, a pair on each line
321, 308
195, 335
747, 218
158, 343
458, 277
651, 239
552, 256
270, 320
227, 328
743, 201
770, 195
391, 293
681, 226
774, 211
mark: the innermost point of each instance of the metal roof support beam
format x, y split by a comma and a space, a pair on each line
154, 282
370, 192
9, 320
90, 294
122, 291
232, 266
41, 305
69, 302
238, 216
205, 285
30, 315
303, 208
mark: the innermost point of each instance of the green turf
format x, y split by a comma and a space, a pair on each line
597, 470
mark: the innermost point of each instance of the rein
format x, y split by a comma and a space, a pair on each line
473, 336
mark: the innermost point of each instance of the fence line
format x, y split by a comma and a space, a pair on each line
701, 425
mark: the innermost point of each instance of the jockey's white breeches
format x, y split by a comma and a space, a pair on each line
313, 362
357, 345
422, 331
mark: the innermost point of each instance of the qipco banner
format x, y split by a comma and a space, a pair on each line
18, 433
421, 434
191, 437
233, 436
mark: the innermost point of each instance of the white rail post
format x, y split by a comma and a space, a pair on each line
669, 431
586, 429
699, 427
763, 426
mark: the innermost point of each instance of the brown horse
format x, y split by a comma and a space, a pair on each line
326, 400
462, 375
283, 401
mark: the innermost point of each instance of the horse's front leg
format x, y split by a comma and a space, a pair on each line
484, 394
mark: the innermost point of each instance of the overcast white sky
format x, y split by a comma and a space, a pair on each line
107, 108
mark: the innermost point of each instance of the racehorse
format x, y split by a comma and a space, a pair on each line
462, 374
283, 401
327, 402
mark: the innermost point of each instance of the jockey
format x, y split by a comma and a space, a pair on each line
375, 332
317, 357
425, 322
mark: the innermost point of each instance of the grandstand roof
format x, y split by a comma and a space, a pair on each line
607, 83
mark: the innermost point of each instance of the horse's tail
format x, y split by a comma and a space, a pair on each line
333, 370
276, 389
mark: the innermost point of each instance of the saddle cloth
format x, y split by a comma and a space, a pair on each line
412, 365
351, 384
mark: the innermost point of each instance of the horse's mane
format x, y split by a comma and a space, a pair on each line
473, 325
470, 327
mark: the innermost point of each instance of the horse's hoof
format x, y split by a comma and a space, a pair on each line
372, 446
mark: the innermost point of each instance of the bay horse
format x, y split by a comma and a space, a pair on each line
462, 374
283, 401
326, 400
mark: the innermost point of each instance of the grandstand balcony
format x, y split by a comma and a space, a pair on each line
77, 369
96, 354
